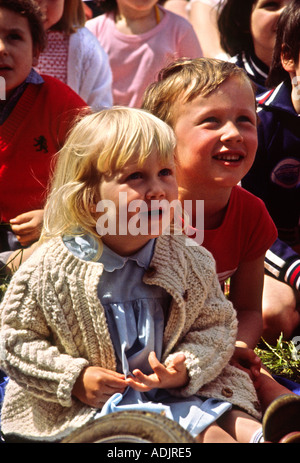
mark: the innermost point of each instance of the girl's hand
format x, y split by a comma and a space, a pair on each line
95, 385
170, 377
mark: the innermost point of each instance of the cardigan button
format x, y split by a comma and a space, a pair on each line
151, 271
185, 295
227, 392
257, 406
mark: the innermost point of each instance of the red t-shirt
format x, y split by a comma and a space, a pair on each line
246, 233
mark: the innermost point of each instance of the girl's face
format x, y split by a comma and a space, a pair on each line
135, 193
52, 11
216, 138
263, 25
138, 6
16, 49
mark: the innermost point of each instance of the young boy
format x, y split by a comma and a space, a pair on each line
210, 104
275, 178
34, 119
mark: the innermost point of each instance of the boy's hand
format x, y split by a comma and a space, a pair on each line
170, 377
95, 385
246, 359
27, 227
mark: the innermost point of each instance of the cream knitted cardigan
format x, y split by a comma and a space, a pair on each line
53, 326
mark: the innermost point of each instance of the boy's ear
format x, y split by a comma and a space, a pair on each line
35, 55
35, 61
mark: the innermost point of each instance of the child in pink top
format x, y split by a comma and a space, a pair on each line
140, 40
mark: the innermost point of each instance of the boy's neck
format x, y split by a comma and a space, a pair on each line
215, 205
131, 22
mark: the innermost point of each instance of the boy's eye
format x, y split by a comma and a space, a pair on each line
209, 120
14, 36
245, 119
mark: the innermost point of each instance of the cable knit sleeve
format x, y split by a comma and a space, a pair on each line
27, 352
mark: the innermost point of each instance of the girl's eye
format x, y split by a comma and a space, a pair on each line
165, 172
134, 176
270, 6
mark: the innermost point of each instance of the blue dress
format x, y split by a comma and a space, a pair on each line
135, 314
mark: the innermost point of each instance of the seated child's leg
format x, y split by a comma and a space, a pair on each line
269, 389
215, 435
240, 426
280, 313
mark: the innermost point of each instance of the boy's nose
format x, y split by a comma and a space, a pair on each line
3, 49
231, 133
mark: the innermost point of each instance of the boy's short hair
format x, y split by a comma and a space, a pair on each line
29, 9
185, 79
287, 43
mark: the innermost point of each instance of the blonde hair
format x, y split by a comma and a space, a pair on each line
100, 143
184, 80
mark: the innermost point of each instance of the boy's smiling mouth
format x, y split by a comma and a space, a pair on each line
230, 157
4, 67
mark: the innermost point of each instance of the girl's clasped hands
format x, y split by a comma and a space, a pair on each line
96, 385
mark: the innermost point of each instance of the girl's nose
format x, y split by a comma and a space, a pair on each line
155, 190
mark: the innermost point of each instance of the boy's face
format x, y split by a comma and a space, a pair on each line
216, 137
16, 49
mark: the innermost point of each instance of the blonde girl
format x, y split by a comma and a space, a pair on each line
92, 325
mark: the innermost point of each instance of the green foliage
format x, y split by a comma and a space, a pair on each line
283, 359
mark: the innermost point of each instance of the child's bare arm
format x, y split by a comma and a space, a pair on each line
246, 295
173, 376
27, 227
95, 385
